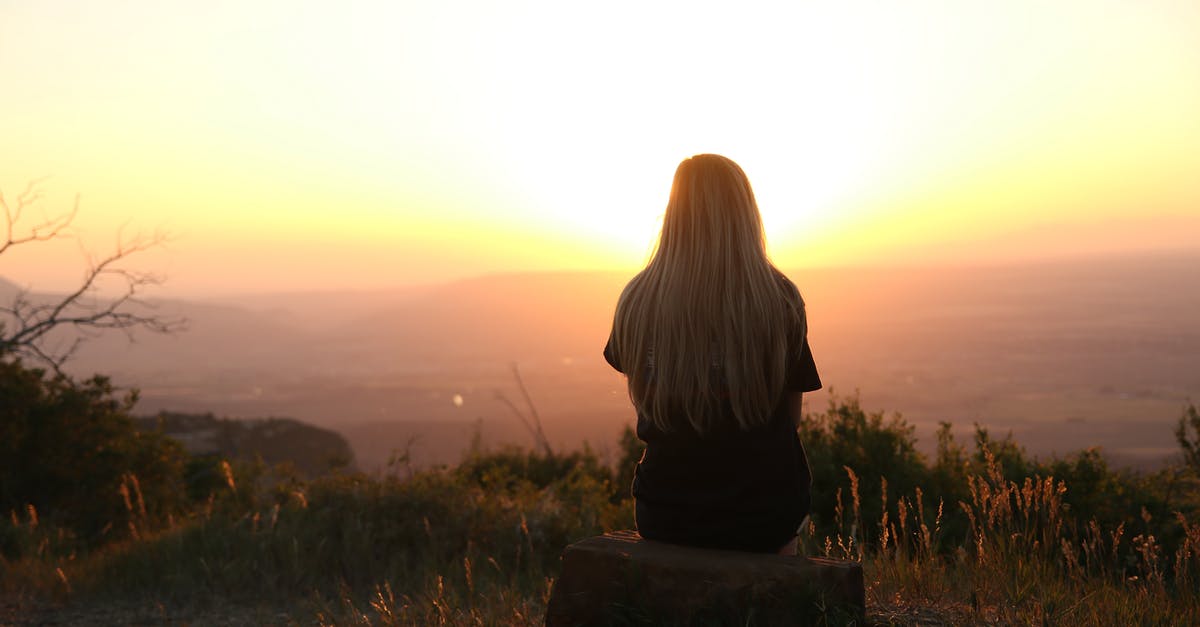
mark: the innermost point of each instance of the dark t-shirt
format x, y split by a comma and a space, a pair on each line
732, 489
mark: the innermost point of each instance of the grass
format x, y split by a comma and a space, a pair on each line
437, 548
1025, 561
478, 544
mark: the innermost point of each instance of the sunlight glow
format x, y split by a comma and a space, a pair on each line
397, 142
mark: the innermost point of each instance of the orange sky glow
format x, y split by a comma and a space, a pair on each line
308, 145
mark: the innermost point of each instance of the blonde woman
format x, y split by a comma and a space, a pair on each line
713, 341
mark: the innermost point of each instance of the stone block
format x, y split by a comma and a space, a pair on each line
621, 579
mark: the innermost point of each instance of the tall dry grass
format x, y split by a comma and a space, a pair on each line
1026, 560
478, 545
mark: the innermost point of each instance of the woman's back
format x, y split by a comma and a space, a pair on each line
713, 340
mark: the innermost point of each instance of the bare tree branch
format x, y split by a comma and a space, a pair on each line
532, 423
26, 324
50, 227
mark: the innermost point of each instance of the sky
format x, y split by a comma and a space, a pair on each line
310, 145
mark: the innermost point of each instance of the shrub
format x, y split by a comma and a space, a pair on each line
849, 451
71, 456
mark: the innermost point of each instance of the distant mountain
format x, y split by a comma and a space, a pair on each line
310, 450
7, 289
1066, 354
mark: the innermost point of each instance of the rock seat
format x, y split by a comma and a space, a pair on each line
621, 579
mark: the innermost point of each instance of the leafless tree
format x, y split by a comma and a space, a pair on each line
28, 323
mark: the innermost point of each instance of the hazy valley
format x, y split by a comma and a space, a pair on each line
1066, 355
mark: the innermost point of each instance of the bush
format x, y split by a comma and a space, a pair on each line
71, 458
853, 452
479, 543
511, 465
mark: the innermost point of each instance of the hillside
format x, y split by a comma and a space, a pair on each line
307, 449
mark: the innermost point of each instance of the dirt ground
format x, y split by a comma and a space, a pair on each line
19, 612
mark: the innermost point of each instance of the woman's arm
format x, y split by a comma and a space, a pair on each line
794, 407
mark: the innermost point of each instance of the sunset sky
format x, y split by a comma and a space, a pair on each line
296, 145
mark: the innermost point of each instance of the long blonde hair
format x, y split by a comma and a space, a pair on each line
710, 316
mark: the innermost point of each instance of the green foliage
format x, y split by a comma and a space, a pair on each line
863, 462
952, 466
487, 517
1097, 491
71, 458
513, 467
1009, 455
204, 476
1017, 541
875, 450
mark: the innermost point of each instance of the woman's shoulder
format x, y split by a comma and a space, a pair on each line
790, 291
632, 286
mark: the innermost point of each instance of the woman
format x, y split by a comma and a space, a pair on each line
713, 341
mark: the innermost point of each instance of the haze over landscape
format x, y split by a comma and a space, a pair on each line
992, 210
1096, 352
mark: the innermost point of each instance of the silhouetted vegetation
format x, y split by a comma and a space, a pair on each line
976, 534
851, 449
72, 461
31, 325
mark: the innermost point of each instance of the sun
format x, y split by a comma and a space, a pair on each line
616, 198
